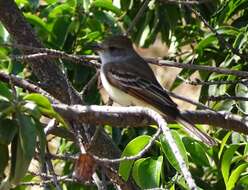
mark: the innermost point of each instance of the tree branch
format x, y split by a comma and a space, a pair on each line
121, 117
99, 110
85, 60
198, 67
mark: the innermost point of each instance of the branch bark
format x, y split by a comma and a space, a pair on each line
101, 115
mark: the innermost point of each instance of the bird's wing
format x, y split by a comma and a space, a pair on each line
153, 94
148, 91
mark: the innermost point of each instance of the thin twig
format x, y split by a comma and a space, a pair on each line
135, 157
227, 97
25, 85
89, 85
191, 2
198, 104
52, 172
85, 60
51, 53
49, 180
198, 67
197, 81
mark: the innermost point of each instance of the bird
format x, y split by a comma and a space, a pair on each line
129, 81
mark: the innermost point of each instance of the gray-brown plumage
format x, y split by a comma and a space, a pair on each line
129, 80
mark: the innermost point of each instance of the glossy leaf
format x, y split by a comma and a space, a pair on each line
235, 176
62, 9
132, 148
107, 5
39, 99
5, 107
135, 170
169, 153
147, 172
60, 31
5, 91
36, 21
223, 143
32, 109
226, 161
242, 90
244, 180
197, 152
22, 148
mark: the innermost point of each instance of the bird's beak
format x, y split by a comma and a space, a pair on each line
96, 47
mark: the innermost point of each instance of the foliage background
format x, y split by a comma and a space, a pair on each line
71, 25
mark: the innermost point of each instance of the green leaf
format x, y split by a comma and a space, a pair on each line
27, 135
32, 109
23, 148
240, 41
235, 176
44, 107
109, 20
8, 129
169, 153
132, 148
60, 10
244, 180
39, 99
207, 41
232, 7
36, 21
125, 5
5, 91
60, 31
4, 158
5, 107
196, 151
146, 172
51, 1
185, 73
226, 161
242, 90
223, 143
107, 5
135, 171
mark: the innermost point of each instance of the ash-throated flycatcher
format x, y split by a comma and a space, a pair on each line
129, 80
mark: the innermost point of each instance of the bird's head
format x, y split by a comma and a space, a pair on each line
114, 43
113, 48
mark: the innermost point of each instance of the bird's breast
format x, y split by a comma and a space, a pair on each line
118, 95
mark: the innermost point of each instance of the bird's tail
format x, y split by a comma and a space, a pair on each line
191, 128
